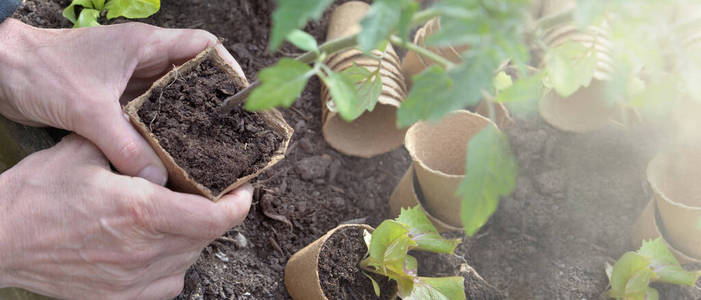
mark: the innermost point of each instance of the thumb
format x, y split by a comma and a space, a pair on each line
125, 148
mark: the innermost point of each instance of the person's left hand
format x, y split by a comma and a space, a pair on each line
74, 78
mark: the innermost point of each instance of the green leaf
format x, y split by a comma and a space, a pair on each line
570, 66
652, 294
98, 4
291, 15
448, 91
69, 12
88, 18
588, 12
422, 231
523, 95
389, 245
631, 276
368, 85
665, 265
375, 285
404, 26
132, 9
491, 173
344, 95
303, 40
502, 81
378, 24
281, 84
442, 288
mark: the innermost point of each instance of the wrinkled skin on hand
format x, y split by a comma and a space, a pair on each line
74, 79
67, 232
70, 227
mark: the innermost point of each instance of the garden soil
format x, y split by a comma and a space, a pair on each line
577, 198
214, 149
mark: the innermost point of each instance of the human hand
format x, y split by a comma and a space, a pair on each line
74, 79
72, 229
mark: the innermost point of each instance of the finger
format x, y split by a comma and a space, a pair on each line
164, 48
165, 288
122, 144
77, 148
197, 217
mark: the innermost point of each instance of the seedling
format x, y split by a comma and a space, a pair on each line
388, 248
85, 13
631, 275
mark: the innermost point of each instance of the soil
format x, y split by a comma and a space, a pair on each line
214, 149
577, 198
341, 278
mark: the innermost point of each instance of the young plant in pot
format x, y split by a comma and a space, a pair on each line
372, 263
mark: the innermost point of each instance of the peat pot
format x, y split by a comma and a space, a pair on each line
438, 150
208, 147
648, 228
306, 269
674, 176
374, 132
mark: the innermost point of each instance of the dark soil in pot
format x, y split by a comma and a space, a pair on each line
214, 149
576, 201
340, 276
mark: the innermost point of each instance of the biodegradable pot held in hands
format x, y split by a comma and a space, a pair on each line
206, 153
374, 132
439, 151
674, 176
328, 268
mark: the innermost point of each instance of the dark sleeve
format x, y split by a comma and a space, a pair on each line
7, 8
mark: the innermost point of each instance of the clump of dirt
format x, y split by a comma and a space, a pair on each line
214, 149
340, 276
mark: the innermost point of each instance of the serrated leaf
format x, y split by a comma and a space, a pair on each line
303, 40
291, 15
442, 288
449, 91
411, 265
629, 273
69, 12
491, 173
385, 235
502, 81
344, 95
422, 231
281, 84
132, 9
404, 26
368, 85
88, 18
378, 24
523, 95
98, 4
570, 66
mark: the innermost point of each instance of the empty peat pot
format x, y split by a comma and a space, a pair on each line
208, 152
674, 177
439, 150
407, 194
333, 257
374, 132
648, 228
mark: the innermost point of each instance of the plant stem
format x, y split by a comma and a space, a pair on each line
423, 51
307, 58
424, 16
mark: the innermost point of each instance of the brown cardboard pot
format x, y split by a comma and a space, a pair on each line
674, 177
647, 228
415, 63
374, 132
405, 195
438, 151
178, 179
302, 270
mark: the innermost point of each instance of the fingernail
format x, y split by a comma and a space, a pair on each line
154, 174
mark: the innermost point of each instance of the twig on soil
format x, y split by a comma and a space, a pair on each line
275, 245
175, 69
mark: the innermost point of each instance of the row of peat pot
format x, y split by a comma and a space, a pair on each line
674, 214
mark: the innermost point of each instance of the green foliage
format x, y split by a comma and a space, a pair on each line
388, 248
385, 17
491, 173
90, 10
344, 94
634, 271
570, 66
368, 85
281, 84
291, 15
303, 40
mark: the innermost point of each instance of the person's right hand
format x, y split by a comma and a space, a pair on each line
71, 228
